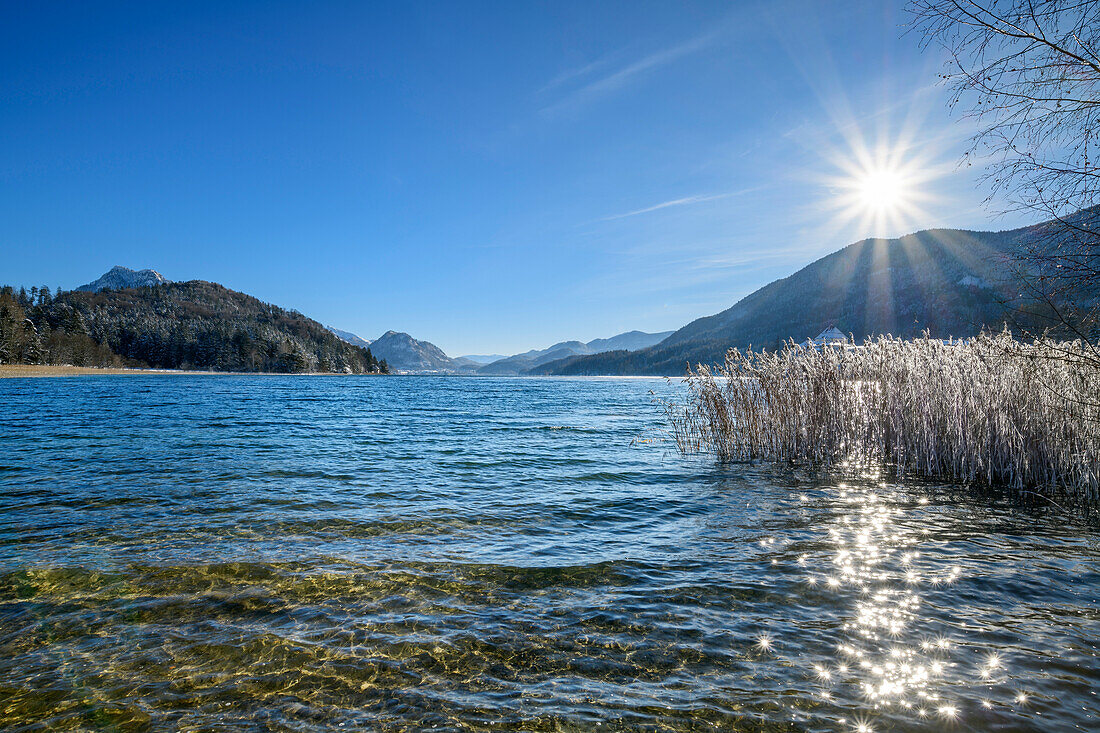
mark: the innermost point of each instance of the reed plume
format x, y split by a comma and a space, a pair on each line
991, 410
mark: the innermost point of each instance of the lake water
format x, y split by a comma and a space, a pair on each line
313, 553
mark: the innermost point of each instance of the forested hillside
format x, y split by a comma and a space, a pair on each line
946, 282
189, 325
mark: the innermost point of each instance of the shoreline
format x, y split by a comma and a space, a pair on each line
37, 371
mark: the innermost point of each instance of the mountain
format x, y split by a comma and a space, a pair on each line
950, 282
348, 337
181, 325
530, 360
629, 341
119, 278
482, 358
520, 363
404, 353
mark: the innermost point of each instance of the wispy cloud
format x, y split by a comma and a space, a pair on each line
686, 200
663, 205
608, 82
578, 72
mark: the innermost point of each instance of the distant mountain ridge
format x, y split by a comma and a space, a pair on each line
120, 278
526, 362
630, 341
483, 358
949, 282
349, 337
405, 353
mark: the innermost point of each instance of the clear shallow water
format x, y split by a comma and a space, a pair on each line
268, 553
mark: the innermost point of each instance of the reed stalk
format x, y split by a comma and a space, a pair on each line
992, 410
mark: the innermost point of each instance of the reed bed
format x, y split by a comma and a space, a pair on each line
992, 410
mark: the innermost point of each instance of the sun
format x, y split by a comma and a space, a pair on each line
882, 191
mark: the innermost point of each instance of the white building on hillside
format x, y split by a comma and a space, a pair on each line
831, 336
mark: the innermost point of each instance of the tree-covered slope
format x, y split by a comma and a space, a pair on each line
188, 325
948, 282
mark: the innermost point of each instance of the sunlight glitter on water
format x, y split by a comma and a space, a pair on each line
894, 658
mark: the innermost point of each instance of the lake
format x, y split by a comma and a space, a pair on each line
407, 553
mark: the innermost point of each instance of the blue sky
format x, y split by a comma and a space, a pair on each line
491, 177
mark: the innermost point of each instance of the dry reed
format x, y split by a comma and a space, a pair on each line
991, 410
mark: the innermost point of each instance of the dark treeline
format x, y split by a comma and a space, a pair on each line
37, 328
190, 325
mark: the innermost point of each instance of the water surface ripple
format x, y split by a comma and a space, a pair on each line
310, 553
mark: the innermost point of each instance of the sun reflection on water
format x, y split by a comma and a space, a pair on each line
891, 656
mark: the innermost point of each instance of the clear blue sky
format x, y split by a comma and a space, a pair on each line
491, 177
